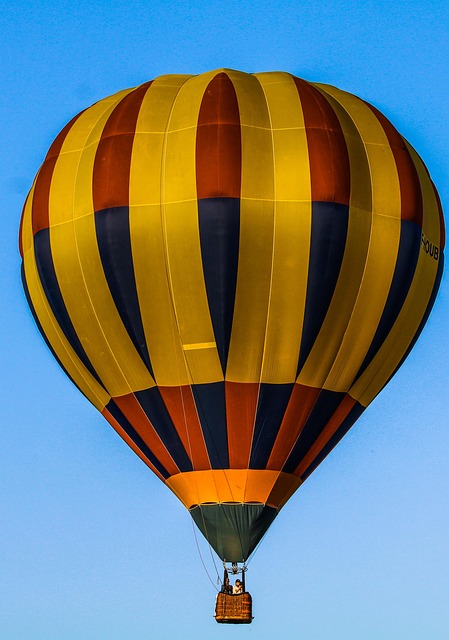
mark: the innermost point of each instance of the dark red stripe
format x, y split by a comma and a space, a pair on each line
218, 142
154, 407
323, 412
115, 424
241, 407
338, 418
133, 412
123, 422
39, 211
110, 180
409, 184
181, 407
298, 410
328, 153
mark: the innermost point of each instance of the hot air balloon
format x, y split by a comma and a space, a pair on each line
231, 267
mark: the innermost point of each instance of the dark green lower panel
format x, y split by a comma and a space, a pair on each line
233, 530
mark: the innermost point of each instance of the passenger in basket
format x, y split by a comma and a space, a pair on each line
227, 587
238, 587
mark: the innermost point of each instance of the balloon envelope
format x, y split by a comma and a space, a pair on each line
230, 267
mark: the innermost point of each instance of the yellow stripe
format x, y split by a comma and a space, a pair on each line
431, 217
27, 227
256, 233
77, 261
292, 228
401, 335
380, 259
68, 358
148, 145
233, 485
147, 234
403, 331
338, 316
181, 230
85, 131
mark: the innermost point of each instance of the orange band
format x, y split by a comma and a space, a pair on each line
233, 485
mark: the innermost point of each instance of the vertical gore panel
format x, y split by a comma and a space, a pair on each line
181, 407
219, 220
328, 154
125, 437
41, 330
432, 299
40, 205
292, 226
147, 234
218, 142
114, 243
327, 245
409, 247
353, 415
218, 176
153, 405
273, 401
241, 406
411, 196
211, 407
301, 403
325, 406
133, 412
339, 415
113, 157
40, 210
50, 285
127, 427
182, 239
257, 218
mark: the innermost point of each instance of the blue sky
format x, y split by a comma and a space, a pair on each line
92, 546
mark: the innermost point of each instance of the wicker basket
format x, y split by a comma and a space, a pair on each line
234, 609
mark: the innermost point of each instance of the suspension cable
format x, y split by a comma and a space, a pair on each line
201, 558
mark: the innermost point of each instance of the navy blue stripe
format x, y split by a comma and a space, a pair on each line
47, 276
432, 299
407, 259
271, 406
327, 246
211, 407
153, 405
114, 244
324, 408
342, 430
138, 441
219, 223
39, 326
